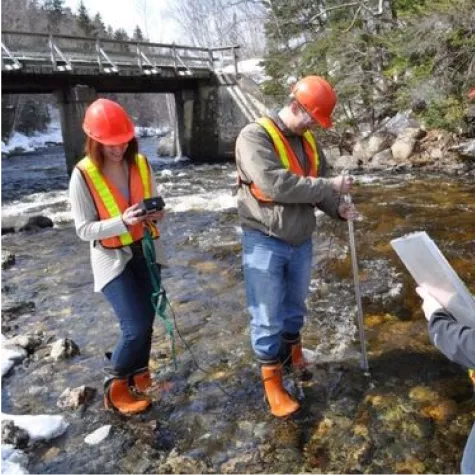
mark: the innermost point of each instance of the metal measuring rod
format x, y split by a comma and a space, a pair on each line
356, 279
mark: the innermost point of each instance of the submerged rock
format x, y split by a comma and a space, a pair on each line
14, 435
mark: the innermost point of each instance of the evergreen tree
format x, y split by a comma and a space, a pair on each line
55, 12
34, 116
138, 35
121, 35
98, 26
84, 20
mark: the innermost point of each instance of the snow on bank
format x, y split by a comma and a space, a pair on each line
252, 68
21, 143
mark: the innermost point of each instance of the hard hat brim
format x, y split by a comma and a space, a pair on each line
111, 141
325, 122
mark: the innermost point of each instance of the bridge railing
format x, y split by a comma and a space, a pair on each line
65, 53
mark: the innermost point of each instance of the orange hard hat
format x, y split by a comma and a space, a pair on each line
107, 122
471, 94
317, 97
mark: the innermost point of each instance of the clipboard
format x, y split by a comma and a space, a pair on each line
430, 269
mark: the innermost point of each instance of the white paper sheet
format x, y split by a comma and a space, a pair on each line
430, 269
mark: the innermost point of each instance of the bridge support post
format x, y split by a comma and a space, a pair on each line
197, 127
72, 104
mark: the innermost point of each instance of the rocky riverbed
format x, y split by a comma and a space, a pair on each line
411, 414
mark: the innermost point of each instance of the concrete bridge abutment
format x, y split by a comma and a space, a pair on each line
209, 118
73, 103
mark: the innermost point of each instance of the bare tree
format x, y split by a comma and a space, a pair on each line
212, 23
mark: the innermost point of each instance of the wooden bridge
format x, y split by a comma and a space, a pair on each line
210, 108
39, 63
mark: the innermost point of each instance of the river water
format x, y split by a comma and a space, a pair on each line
411, 414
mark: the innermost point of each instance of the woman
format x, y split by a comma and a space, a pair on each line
457, 342
105, 190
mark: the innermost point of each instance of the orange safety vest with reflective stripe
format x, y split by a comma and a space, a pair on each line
287, 155
110, 202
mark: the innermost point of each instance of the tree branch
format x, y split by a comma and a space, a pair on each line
352, 4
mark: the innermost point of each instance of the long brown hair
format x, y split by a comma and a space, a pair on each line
95, 151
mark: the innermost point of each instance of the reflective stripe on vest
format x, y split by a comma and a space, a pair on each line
111, 203
471, 374
144, 175
287, 156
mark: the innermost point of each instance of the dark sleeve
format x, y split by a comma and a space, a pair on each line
454, 340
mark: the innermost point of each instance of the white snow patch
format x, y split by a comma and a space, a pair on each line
39, 140
13, 460
39, 427
10, 356
249, 67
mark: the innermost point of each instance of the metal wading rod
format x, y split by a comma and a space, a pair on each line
356, 280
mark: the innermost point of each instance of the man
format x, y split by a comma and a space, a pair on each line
457, 343
281, 173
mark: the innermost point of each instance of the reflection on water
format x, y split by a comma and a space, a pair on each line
411, 416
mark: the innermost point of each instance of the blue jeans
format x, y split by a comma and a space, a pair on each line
130, 296
277, 277
468, 459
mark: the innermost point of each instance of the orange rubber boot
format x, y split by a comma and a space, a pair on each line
298, 362
280, 402
142, 380
296, 354
119, 397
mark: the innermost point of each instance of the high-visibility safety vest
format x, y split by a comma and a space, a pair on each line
287, 156
110, 202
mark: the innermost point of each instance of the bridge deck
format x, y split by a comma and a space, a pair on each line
33, 62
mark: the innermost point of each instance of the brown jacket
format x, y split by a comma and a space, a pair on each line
292, 216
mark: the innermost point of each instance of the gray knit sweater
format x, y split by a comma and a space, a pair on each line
106, 264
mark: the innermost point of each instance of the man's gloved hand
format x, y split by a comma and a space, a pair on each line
429, 304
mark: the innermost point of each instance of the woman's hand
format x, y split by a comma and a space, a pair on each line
132, 215
155, 216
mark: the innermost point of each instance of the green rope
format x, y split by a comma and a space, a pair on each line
159, 297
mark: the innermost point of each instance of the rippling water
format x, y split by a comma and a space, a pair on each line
410, 416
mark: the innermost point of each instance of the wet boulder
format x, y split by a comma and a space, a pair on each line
73, 398
176, 463
13, 309
382, 160
400, 122
405, 143
36, 223
14, 435
64, 349
8, 259
346, 162
166, 146
29, 342
23, 222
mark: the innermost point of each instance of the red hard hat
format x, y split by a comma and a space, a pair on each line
471, 94
317, 97
107, 122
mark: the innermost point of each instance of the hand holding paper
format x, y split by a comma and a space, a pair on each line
429, 303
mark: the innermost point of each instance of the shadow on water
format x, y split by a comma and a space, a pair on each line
411, 415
